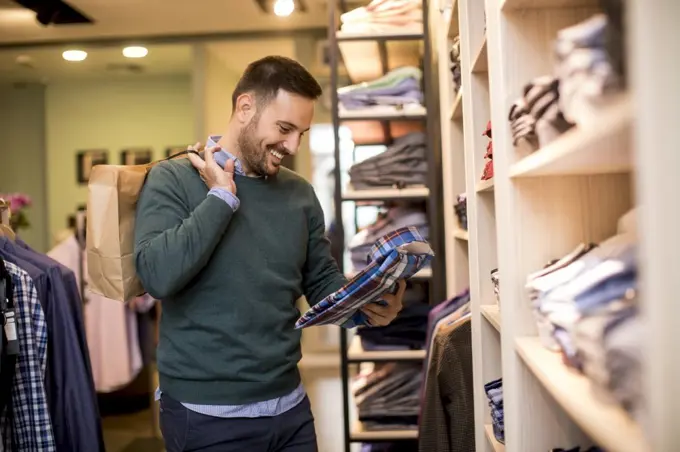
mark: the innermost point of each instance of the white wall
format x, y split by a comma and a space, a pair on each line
22, 154
113, 115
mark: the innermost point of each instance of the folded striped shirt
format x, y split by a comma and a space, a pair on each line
396, 256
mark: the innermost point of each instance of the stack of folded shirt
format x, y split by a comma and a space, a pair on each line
399, 89
385, 16
388, 397
587, 309
494, 392
403, 164
584, 69
488, 168
461, 211
496, 286
397, 217
454, 55
406, 332
536, 118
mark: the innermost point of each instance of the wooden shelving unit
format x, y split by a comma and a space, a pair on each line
539, 205
367, 57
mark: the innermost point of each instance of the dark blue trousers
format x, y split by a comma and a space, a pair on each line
185, 430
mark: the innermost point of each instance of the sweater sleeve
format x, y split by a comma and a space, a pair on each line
173, 243
321, 275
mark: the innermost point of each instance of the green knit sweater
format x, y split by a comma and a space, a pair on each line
229, 280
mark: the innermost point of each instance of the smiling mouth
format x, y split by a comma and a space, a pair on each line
276, 154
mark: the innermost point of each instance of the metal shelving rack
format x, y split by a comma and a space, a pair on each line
432, 194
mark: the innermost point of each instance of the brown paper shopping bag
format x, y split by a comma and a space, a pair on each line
113, 191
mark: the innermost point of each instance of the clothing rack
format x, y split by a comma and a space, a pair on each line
352, 49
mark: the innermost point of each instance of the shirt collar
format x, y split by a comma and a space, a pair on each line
223, 156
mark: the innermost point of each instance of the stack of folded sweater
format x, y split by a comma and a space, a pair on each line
396, 217
388, 396
403, 164
488, 168
407, 332
399, 89
536, 118
454, 55
385, 16
584, 69
494, 392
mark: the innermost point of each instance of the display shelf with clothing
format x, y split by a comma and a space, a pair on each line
391, 75
48, 386
572, 244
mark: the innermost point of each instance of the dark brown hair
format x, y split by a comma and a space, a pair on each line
265, 77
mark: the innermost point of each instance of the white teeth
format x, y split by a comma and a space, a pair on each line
276, 154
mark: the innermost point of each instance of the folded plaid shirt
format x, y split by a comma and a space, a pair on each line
396, 256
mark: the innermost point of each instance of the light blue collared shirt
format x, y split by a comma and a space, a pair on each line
266, 408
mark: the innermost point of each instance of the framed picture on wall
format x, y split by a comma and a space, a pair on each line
85, 160
136, 156
172, 150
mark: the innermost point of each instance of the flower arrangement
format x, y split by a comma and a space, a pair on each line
18, 202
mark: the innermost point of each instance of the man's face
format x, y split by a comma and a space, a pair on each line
275, 131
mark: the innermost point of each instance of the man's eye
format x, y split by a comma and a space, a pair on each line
284, 130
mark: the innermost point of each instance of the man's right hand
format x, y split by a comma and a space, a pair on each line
211, 173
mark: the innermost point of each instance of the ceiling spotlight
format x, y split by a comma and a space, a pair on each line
74, 55
135, 52
284, 8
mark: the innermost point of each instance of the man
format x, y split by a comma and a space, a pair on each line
229, 242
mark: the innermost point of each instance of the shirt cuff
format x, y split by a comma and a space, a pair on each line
226, 196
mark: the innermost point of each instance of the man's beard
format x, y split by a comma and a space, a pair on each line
252, 153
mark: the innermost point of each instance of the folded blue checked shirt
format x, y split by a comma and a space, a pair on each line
396, 256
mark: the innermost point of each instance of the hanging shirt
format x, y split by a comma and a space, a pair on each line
29, 427
110, 326
396, 256
70, 386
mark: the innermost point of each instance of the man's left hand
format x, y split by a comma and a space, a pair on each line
382, 315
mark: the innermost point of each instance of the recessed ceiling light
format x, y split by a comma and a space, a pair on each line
74, 55
135, 52
284, 8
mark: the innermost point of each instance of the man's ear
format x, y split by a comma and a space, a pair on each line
245, 107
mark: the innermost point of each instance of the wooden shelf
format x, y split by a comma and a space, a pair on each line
385, 194
492, 313
383, 114
361, 54
495, 445
481, 63
357, 354
461, 234
602, 147
507, 5
484, 186
454, 23
457, 108
607, 424
343, 36
359, 434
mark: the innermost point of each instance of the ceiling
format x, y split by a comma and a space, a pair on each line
153, 18
45, 65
